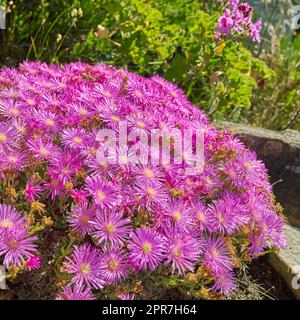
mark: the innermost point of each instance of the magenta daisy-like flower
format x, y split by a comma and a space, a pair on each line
75, 292
183, 251
147, 248
104, 194
79, 195
45, 120
42, 149
54, 186
148, 173
85, 266
126, 296
75, 138
10, 218
179, 213
115, 265
81, 218
65, 165
225, 283
201, 220
111, 227
271, 227
10, 109
15, 245
251, 169
217, 256
228, 214
33, 263
12, 160
32, 190
8, 135
150, 194
257, 244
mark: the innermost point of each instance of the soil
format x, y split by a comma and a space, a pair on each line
259, 281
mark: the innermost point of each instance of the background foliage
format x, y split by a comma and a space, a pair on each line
231, 81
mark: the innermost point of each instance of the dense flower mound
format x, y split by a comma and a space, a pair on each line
122, 219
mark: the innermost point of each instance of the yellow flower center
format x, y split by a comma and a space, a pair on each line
110, 228
14, 244
15, 111
100, 195
77, 140
220, 217
151, 191
138, 93
201, 216
12, 159
177, 216
141, 124
177, 252
147, 247
21, 130
247, 165
6, 223
113, 264
115, 118
83, 111
123, 160
148, 173
49, 122
85, 219
215, 252
2, 137
31, 102
106, 94
44, 151
66, 170
85, 268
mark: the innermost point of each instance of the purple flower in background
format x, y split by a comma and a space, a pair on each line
237, 20
234, 4
255, 31
225, 24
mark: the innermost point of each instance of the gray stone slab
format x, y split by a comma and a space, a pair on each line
287, 261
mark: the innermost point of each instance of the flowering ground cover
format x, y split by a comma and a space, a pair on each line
123, 223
